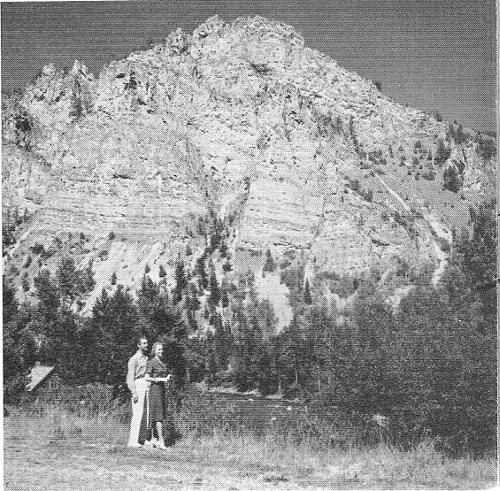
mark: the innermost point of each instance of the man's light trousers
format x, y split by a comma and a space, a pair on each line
137, 411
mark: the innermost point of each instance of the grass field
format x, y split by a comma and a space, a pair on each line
62, 451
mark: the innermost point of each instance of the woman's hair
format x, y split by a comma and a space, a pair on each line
155, 345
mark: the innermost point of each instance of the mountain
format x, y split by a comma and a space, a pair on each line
225, 143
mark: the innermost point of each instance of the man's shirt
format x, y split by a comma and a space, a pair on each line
136, 369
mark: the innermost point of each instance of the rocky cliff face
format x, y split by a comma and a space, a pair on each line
236, 125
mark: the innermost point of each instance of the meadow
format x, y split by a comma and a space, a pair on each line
81, 446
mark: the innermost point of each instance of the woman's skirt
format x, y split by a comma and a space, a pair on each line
157, 410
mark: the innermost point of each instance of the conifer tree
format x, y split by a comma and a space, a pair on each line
200, 272
25, 282
222, 343
215, 294
442, 154
451, 179
307, 293
48, 296
180, 280
269, 265
122, 331
67, 279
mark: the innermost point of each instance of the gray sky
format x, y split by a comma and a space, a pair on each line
431, 54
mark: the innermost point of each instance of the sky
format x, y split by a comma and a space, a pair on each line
436, 55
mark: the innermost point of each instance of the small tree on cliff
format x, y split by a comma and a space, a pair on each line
269, 265
307, 293
180, 280
451, 179
200, 272
215, 294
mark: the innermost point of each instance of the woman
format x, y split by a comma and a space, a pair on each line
157, 374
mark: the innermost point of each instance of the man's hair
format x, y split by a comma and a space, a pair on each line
140, 338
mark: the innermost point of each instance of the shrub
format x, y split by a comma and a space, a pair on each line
37, 248
354, 185
486, 148
25, 282
451, 179
442, 154
367, 195
443, 244
269, 264
103, 254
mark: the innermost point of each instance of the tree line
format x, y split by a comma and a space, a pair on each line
429, 366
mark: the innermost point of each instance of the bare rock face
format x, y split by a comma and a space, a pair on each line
237, 124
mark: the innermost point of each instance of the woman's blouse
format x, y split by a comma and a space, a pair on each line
156, 368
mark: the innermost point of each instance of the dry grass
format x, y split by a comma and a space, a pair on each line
62, 451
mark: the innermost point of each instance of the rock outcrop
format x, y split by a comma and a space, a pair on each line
238, 124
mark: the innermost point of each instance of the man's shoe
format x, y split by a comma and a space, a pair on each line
150, 443
161, 445
134, 445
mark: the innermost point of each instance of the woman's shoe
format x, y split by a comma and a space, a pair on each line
161, 445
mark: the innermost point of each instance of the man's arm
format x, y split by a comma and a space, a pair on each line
131, 377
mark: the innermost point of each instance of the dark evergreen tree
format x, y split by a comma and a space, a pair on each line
19, 345
307, 293
25, 282
67, 282
442, 154
486, 148
215, 294
180, 280
48, 296
226, 267
451, 179
269, 264
122, 319
222, 343
200, 272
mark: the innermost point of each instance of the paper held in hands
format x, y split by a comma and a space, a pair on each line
163, 379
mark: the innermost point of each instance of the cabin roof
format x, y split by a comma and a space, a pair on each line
38, 374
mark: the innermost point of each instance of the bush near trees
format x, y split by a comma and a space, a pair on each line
451, 179
429, 366
442, 154
269, 264
486, 148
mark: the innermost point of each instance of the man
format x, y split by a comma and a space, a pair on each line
136, 382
